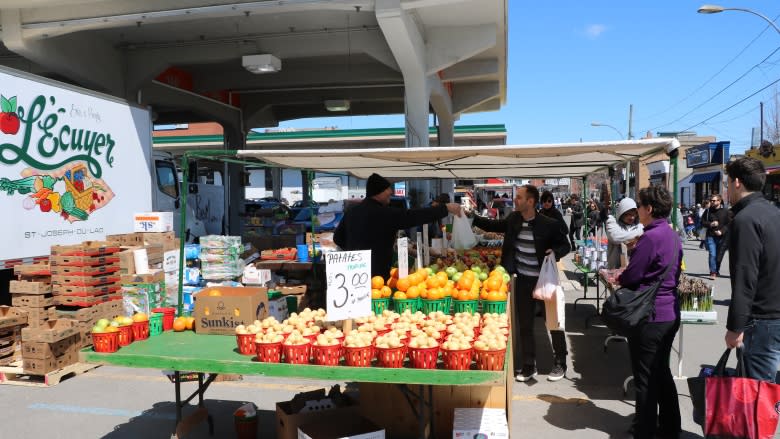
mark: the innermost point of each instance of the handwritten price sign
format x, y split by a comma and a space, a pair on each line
349, 284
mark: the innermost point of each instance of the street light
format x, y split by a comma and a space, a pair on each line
599, 124
714, 9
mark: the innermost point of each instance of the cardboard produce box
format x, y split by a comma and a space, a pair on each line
479, 422
340, 426
308, 407
153, 222
12, 317
51, 331
218, 310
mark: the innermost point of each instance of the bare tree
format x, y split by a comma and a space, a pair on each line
772, 119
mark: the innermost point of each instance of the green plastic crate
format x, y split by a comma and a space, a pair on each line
492, 306
292, 303
379, 305
448, 304
469, 306
401, 305
429, 306
155, 324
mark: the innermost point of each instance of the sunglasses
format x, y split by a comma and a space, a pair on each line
714, 200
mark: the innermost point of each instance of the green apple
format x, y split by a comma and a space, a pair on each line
482, 276
98, 329
506, 277
450, 271
456, 276
434, 268
102, 323
501, 268
476, 269
431, 272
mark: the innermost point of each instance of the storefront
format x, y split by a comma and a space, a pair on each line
707, 162
659, 172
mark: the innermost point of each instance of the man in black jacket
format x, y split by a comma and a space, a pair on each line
575, 223
372, 225
528, 237
715, 220
754, 264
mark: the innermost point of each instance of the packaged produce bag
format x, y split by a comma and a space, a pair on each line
548, 279
462, 236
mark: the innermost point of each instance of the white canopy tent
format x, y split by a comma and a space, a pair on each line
469, 162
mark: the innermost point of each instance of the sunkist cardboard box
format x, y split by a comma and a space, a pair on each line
218, 310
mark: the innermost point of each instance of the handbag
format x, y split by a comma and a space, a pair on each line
734, 406
626, 309
548, 280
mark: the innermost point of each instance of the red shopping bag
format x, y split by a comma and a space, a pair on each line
739, 407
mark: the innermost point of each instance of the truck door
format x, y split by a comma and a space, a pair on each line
166, 199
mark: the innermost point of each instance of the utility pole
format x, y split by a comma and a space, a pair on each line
630, 121
761, 128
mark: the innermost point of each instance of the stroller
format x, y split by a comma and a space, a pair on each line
690, 226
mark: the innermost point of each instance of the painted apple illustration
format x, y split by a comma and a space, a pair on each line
9, 121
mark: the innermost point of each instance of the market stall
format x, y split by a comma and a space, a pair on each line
213, 354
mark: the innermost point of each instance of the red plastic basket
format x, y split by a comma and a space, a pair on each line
390, 357
105, 341
424, 358
457, 359
326, 355
358, 357
168, 315
269, 352
296, 353
490, 360
141, 330
125, 335
246, 344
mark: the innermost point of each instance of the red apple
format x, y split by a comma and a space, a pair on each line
9, 123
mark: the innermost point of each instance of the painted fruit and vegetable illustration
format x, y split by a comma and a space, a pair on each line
9, 121
70, 192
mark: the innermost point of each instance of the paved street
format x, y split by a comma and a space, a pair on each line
122, 403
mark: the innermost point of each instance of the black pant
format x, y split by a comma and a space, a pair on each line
574, 231
525, 312
656, 393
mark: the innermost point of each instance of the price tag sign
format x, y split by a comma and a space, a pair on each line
403, 257
348, 292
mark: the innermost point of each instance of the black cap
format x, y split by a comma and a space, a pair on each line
376, 184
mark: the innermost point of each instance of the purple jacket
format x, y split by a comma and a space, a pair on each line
658, 247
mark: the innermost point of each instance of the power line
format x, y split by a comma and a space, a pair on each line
733, 105
713, 76
736, 117
719, 91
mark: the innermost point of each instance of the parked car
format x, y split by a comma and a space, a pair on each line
298, 206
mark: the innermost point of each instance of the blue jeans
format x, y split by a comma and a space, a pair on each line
762, 349
712, 249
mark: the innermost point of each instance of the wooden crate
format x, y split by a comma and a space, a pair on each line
80, 314
43, 350
40, 269
52, 331
32, 300
84, 291
10, 317
97, 270
28, 287
86, 248
127, 239
42, 366
15, 375
83, 281
82, 261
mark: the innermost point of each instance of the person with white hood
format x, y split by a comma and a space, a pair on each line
622, 229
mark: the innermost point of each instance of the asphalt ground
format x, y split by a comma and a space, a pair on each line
120, 403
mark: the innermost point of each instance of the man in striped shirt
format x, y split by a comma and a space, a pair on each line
528, 237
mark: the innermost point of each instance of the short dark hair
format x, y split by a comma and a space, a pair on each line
532, 191
546, 196
659, 198
443, 198
750, 172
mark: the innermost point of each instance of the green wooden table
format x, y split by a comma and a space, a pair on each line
218, 354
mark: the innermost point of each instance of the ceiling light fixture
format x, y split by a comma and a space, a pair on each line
337, 105
265, 63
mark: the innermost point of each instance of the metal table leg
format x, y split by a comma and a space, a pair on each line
183, 425
424, 417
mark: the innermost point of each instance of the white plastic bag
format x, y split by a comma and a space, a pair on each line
548, 279
462, 235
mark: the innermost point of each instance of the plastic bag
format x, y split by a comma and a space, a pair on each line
548, 279
462, 235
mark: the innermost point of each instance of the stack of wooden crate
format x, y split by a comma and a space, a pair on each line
84, 275
32, 292
11, 322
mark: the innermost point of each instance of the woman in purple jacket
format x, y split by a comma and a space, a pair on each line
657, 408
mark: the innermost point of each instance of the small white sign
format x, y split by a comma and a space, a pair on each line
403, 257
348, 292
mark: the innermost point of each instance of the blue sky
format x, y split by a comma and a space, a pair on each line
574, 62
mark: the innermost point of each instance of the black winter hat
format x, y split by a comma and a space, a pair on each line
376, 184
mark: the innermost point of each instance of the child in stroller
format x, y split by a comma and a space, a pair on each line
690, 226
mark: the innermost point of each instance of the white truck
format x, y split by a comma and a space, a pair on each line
75, 165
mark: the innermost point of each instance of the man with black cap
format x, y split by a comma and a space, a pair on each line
372, 225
